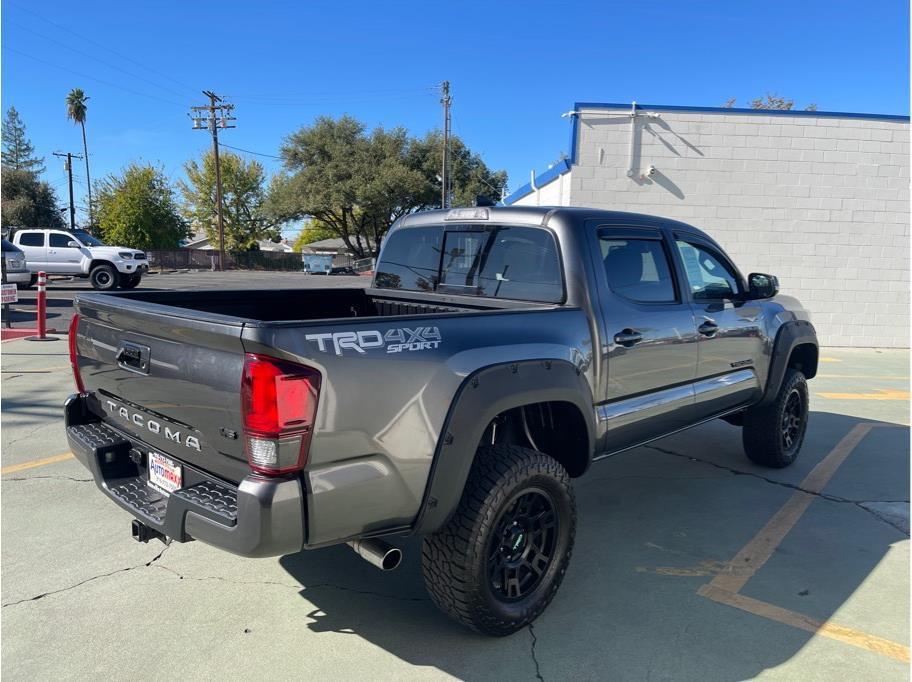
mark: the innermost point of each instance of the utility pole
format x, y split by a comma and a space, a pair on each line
217, 115
445, 100
68, 166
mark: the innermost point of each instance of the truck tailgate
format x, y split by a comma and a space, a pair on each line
170, 380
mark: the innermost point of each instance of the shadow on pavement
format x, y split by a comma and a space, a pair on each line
656, 524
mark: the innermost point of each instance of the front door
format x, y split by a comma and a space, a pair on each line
651, 340
728, 325
61, 257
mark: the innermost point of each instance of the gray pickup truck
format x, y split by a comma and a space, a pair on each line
497, 355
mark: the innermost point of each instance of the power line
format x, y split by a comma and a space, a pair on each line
98, 44
92, 78
247, 151
132, 74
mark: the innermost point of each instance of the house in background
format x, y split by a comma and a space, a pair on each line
820, 199
335, 247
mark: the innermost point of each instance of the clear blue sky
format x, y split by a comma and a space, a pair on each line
514, 68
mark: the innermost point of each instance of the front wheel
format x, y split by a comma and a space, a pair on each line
773, 433
501, 558
130, 281
103, 277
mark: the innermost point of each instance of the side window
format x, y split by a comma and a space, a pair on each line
709, 276
31, 239
59, 241
638, 269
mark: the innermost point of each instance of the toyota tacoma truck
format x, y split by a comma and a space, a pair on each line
79, 254
498, 353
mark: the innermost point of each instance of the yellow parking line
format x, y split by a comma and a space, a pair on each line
863, 640
879, 394
829, 360
725, 587
761, 547
13, 468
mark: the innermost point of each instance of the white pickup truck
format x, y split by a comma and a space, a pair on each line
79, 254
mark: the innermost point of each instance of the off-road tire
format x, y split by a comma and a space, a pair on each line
104, 277
764, 432
130, 281
455, 559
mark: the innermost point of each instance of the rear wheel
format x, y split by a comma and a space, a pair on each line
103, 277
501, 558
773, 433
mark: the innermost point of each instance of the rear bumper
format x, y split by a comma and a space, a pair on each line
258, 518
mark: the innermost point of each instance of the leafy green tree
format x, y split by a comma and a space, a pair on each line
76, 111
138, 209
18, 152
243, 199
357, 184
770, 101
26, 201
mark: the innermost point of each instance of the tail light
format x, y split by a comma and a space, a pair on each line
74, 357
279, 403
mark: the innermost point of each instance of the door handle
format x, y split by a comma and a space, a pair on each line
708, 328
628, 338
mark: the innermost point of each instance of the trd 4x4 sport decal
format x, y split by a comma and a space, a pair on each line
394, 340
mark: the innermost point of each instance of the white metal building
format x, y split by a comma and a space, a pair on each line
820, 199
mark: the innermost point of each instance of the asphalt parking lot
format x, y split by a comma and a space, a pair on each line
690, 562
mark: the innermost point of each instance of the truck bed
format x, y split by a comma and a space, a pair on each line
291, 305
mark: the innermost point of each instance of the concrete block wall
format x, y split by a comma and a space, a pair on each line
822, 202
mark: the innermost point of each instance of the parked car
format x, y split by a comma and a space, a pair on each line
343, 270
79, 254
17, 271
498, 354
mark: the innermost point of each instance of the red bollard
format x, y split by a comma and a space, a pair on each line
42, 311
42, 305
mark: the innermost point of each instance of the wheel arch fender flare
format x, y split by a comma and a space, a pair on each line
483, 395
790, 336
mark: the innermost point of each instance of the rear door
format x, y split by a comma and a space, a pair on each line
651, 351
34, 245
61, 257
728, 326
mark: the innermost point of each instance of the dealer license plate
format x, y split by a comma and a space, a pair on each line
165, 474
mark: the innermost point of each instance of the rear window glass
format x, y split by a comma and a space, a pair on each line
410, 259
519, 263
31, 239
504, 262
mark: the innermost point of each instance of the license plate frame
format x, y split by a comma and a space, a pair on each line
165, 475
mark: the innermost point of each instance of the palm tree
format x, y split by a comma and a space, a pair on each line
76, 112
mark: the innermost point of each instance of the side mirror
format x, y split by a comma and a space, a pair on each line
74, 244
762, 285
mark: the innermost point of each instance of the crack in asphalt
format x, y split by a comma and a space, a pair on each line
832, 498
538, 674
293, 587
87, 580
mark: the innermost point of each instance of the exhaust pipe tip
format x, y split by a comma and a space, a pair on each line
377, 553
